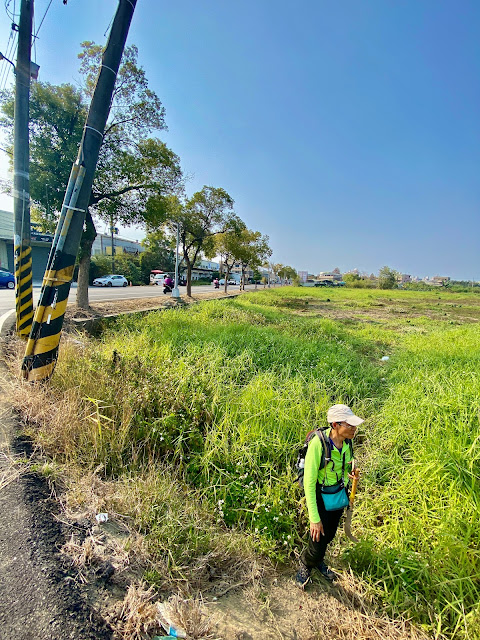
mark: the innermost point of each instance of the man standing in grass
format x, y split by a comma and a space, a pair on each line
325, 488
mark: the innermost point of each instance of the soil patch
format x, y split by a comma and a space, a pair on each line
116, 307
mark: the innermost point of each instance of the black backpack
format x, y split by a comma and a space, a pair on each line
326, 452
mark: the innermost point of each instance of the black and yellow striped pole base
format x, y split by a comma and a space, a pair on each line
42, 347
23, 289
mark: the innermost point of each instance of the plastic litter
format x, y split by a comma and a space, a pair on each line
101, 517
173, 631
385, 358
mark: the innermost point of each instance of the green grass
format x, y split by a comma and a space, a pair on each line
224, 392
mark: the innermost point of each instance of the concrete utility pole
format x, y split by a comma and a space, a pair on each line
112, 230
42, 346
21, 176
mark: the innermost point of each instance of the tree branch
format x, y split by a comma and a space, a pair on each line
95, 199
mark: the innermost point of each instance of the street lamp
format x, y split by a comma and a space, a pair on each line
34, 67
2, 57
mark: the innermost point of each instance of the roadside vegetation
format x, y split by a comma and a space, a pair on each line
194, 416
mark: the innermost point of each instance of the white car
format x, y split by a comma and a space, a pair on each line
110, 281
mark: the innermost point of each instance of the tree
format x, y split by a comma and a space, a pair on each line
276, 268
134, 172
252, 252
387, 278
207, 213
287, 273
228, 246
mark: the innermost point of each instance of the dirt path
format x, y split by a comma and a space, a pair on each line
39, 599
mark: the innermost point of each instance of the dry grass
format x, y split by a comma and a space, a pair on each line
136, 617
277, 609
190, 615
350, 615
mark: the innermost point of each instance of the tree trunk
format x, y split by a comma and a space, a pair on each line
86, 242
189, 279
227, 275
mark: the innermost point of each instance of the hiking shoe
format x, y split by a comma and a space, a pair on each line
303, 575
327, 573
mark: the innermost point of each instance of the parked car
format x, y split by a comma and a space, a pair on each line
111, 281
230, 281
7, 279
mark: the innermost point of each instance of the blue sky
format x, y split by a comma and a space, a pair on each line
349, 132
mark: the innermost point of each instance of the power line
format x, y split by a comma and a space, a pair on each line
9, 53
41, 22
7, 5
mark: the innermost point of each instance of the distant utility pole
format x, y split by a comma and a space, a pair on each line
21, 175
112, 230
42, 347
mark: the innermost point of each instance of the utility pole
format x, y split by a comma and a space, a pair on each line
21, 175
112, 229
42, 347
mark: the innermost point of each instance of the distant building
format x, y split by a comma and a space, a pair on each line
303, 276
440, 281
402, 278
102, 245
42, 242
204, 269
329, 275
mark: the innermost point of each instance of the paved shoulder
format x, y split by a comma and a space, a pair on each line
39, 600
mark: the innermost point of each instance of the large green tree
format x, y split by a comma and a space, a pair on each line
252, 252
228, 245
200, 218
135, 170
387, 278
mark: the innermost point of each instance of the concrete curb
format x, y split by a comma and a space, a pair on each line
7, 323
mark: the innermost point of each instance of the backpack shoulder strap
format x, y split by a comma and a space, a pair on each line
326, 448
350, 444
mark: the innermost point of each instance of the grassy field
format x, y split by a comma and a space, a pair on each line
197, 413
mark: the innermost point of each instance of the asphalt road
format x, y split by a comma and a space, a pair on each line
104, 294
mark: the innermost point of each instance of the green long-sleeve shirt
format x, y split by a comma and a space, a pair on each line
313, 472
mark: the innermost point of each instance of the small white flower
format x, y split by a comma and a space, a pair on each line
402, 570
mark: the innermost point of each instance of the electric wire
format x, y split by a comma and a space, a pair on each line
41, 21
33, 40
9, 53
12, 57
4, 69
7, 5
